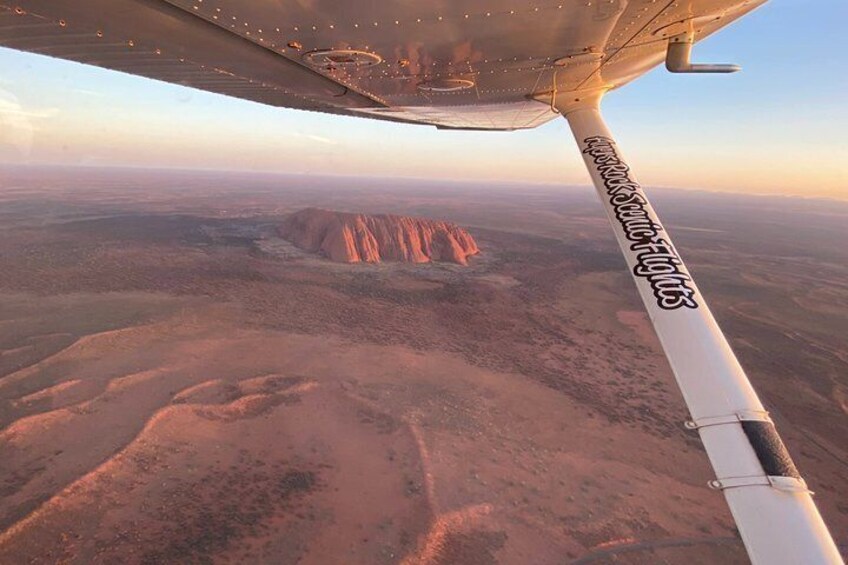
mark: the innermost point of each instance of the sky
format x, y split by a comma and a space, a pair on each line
778, 127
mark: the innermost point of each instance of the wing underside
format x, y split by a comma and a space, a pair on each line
453, 64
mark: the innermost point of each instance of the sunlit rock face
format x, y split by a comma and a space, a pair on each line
352, 238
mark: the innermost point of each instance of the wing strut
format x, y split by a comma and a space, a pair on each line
774, 511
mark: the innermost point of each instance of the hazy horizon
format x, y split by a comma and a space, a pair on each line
775, 128
552, 186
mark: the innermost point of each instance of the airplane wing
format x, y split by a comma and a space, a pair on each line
461, 64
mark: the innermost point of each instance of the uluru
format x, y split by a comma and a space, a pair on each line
353, 238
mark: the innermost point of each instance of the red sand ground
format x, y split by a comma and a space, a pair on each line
180, 385
205, 440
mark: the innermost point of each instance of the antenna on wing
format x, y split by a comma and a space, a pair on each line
677, 58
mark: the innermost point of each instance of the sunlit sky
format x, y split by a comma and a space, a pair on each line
777, 127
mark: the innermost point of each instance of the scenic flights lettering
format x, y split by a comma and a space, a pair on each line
656, 259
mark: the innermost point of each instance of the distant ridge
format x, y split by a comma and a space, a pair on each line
353, 238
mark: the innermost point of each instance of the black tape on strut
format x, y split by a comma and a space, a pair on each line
773, 455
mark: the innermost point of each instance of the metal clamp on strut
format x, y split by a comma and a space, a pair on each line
786, 484
738, 418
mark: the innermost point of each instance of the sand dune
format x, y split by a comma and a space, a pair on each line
58, 392
161, 453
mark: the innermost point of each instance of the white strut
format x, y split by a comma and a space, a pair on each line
773, 510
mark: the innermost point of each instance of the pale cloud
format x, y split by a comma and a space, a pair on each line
16, 130
321, 139
19, 124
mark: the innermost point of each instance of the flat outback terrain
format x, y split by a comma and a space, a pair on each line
178, 384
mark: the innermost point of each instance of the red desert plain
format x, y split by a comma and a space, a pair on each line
213, 368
